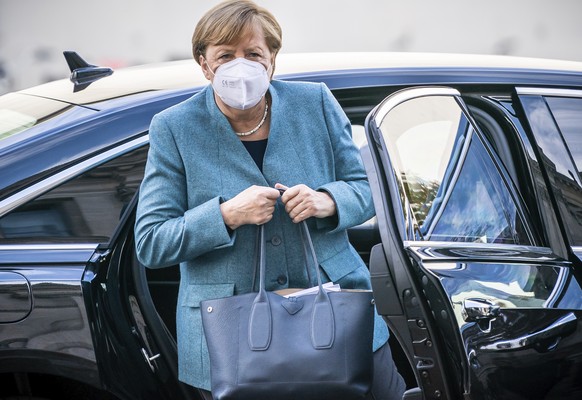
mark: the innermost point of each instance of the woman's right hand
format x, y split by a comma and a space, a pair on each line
254, 205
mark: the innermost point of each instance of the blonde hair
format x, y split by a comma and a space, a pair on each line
228, 21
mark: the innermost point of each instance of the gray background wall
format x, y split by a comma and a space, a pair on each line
33, 33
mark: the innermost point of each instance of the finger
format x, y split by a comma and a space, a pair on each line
270, 210
303, 215
266, 213
266, 219
272, 194
291, 198
293, 191
298, 201
293, 207
282, 190
299, 211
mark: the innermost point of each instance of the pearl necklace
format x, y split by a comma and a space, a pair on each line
258, 126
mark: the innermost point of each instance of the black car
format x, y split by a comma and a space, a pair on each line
475, 251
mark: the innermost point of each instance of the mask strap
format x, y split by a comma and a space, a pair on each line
209, 68
270, 67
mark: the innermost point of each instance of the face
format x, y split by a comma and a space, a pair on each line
252, 46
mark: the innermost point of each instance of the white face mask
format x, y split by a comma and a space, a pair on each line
240, 83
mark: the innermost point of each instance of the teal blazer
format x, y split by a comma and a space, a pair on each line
196, 161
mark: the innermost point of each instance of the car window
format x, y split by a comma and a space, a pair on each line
567, 112
85, 209
451, 189
568, 115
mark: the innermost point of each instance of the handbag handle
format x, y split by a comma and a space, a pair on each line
260, 319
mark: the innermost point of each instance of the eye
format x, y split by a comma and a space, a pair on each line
225, 57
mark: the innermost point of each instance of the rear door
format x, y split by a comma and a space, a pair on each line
555, 119
484, 308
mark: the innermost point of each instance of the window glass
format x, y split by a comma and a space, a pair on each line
567, 112
568, 115
479, 207
85, 209
419, 135
20, 114
451, 189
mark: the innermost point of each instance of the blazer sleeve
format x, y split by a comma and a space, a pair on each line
350, 190
166, 231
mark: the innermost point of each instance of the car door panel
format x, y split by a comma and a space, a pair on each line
500, 307
43, 311
387, 266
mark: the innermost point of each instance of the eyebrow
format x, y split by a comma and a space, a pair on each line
229, 47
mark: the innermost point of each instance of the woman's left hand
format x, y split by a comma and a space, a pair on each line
302, 202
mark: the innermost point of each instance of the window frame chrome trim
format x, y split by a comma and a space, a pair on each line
407, 94
545, 255
413, 244
48, 247
40, 188
558, 288
548, 92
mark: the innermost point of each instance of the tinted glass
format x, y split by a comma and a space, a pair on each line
568, 115
86, 209
452, 190
567, 112
479, 207
19, 113
420, 136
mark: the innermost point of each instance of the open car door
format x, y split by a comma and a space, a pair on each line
482, 306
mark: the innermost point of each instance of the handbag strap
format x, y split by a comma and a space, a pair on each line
260, 319
307, 246
256, 256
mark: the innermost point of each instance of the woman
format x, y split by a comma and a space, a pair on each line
216, 169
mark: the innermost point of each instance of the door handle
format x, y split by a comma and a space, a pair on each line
477, 310
150, 360
544, 340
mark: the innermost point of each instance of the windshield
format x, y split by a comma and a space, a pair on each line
19, 113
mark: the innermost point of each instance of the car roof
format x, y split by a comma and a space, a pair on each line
187, 74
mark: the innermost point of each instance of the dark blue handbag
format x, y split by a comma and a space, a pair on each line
266, 346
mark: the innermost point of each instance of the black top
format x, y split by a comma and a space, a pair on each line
256, 149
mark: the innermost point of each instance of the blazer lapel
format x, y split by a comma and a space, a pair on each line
237, 169
282, 164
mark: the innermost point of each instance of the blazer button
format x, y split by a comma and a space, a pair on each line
282, 279
275, 240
